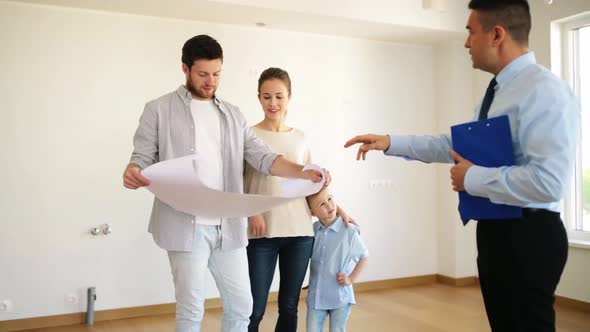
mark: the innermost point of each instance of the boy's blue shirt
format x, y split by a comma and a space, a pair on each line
334, 249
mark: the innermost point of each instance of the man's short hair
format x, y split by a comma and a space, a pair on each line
513, 15
201, 47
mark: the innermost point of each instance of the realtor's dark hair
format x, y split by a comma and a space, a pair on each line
512, 15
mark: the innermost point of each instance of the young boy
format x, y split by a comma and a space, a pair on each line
331, 276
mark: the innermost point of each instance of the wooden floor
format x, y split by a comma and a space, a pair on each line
428, 308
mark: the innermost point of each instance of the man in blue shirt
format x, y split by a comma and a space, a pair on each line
331, 275
520, 261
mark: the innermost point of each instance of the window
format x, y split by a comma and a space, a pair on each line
582, 40
575, 46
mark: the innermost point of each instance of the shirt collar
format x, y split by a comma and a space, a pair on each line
514, 68
336, 225
186, 96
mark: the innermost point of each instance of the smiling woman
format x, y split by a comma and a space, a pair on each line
285, 231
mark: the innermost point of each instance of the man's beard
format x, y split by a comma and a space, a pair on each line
191, 88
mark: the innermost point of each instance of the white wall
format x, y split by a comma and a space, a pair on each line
574, 281
457, 95
74, 83
73, 86
415, 13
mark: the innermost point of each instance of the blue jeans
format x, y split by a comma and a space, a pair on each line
293, 254
316, 319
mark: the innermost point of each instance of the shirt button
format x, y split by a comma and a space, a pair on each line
193, 221
192, 149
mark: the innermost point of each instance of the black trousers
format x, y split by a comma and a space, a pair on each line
520, 262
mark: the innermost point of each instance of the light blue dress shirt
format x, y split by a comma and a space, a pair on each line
334, 249
545, 120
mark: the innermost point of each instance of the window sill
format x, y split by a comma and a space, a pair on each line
580, 244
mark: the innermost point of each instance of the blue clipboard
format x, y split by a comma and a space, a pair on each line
486, 143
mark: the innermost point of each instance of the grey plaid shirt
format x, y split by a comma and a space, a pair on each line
166, 131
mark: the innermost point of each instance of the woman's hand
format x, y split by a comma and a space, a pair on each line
345, 217
257, 225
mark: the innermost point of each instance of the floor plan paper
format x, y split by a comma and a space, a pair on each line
176, 183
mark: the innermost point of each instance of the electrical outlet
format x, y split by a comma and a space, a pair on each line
380, 184
71, 298
5, 306
373, 184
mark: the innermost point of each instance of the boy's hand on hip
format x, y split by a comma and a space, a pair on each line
343, 279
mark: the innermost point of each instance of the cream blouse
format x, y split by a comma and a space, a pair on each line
293, 218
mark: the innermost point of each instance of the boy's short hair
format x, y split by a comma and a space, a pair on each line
311, 197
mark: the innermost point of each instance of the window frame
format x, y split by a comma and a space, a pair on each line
567, 61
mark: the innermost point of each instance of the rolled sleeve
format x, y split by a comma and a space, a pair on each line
145, 140
257, 153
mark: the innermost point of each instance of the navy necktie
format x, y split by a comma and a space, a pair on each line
487, 100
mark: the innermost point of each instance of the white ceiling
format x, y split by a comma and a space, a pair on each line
407, 21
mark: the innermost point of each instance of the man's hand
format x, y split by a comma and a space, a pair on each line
459, 171
132, 178
369, 142
312, 175
316, 176
288, 169
343, 279
257, 225
328, 178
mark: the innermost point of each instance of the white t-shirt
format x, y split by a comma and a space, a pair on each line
208, 146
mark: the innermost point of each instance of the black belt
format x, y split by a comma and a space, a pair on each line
532, 212
528, 214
